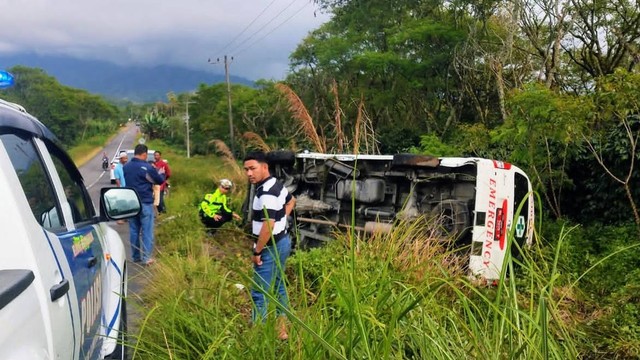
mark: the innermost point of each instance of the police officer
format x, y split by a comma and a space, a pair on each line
214, 211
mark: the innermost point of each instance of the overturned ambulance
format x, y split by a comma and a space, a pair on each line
474, 200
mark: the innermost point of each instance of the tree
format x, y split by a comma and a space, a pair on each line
393, 56
70, 113
618, 99
542, 135
604, 35
154, 125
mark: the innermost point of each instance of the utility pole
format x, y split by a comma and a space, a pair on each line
228, 61
186, 119
226, 72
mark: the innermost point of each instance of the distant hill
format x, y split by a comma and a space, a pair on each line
137, 84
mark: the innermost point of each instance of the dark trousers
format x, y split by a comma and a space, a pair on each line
212, 224
161, 207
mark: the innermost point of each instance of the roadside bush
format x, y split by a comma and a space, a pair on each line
604, 264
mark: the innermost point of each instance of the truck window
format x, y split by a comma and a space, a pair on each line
34, 180
77, 196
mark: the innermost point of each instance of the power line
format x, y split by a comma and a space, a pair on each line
272, 30
265, 25
246, 27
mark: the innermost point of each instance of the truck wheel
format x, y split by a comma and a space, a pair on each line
414, 160
282, 157
452, 218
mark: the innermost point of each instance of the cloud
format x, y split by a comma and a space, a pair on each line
145, 32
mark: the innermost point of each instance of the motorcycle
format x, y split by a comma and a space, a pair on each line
105, 164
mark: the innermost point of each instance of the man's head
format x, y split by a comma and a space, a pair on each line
256, 166
225, 185
157, 156
140, 152
123, 157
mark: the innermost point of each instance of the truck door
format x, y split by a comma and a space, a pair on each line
40, 319
83, 249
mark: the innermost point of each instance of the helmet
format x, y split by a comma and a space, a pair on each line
226, 183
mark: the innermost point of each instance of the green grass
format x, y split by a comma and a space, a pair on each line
399, 296
89, 148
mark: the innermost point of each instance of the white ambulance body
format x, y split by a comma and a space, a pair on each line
474, 199
501, 188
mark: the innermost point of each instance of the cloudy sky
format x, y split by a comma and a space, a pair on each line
259, 34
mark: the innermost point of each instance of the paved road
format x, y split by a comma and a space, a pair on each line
95, 179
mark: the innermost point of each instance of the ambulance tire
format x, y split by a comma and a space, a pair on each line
453, 218
281, 157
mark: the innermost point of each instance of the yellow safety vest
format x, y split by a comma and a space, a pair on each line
213, 203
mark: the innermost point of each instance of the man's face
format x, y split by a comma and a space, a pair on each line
256, 171
123, 159
157, 156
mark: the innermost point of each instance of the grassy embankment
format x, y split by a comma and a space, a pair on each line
90, 147
400, 296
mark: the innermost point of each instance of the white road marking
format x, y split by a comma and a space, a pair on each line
117, 152
98, 179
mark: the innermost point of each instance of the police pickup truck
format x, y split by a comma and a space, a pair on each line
63, 276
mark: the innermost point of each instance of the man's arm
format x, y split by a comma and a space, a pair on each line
155, 176
288, 207
263, 238
167, 170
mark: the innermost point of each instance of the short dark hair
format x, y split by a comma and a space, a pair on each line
258, 156
140, 149
157, 152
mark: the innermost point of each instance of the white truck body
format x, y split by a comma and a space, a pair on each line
63, 274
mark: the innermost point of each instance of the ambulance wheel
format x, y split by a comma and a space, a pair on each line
281, 157
452, 218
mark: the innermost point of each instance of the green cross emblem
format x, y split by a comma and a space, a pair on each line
520, 226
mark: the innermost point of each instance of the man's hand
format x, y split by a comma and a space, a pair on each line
217, 217
161, 171
236, 216
256, 259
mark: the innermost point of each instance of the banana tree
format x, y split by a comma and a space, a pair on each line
154, 125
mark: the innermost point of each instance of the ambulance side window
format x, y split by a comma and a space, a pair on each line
34, 179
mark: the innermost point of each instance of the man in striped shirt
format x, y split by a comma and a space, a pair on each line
272, 203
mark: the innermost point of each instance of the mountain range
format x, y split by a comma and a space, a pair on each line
120, 83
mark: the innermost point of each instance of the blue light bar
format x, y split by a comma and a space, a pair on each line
6, 79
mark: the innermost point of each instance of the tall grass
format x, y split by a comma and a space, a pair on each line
300, 113
402, 295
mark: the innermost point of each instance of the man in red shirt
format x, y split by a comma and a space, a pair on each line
161, 163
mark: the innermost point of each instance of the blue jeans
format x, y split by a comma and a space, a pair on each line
141, 226
269, 277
